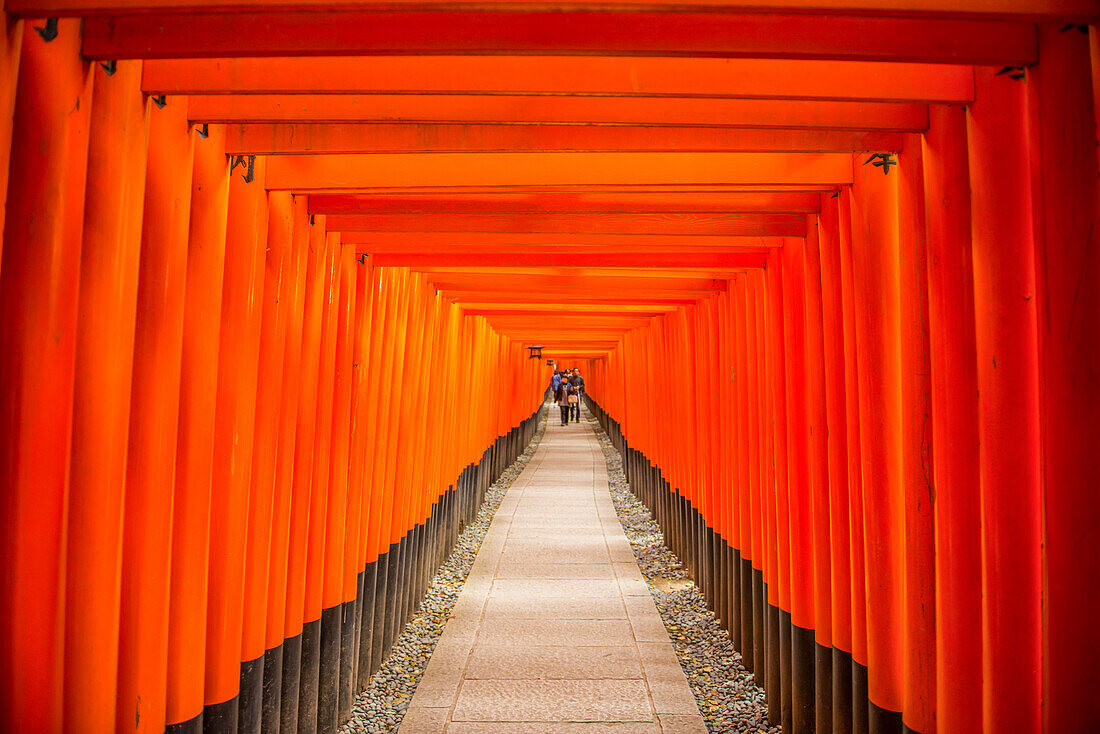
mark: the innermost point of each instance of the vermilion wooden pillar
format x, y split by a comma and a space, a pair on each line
919, 644
39, 286
1066, 199
10, 44
262, 488
195, 447
955, 446
276, 650
294, 662
875, 265
320, 488
101, 400
799, 511
840, 575
234, 431
336, 522
818, 445
1004, 302
855, 467
777, 367
154, 421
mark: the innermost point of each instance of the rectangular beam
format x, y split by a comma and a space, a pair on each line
562, 75
344, 137
1029, 9
628, 33
571, 270
489, 309
741, 225
349, 172
538, 297
594, 284
667, 261
550, 245
554, 110
605, 203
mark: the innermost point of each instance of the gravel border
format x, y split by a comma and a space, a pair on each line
727, 694
380, 708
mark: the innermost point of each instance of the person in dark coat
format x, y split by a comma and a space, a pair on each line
561, 397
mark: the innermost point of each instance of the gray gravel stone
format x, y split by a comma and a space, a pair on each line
727, 694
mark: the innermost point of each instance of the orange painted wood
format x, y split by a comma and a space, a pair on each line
854, 433
542, 109
109, 260
935, 8
335, 542
840, 573
672, 203
301, 509
875, 245
39, 282
780, 78
736, 225
1067, 204
1009, 407
321, 481
294, 372
627, 33
955, 446
818, 449
11, 44
919, 702
154, 422
269, 386
350, 137
234, 430
358, 498
330, 172
195, 450
498, 243
605, 263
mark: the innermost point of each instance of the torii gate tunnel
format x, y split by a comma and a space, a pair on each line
270, 269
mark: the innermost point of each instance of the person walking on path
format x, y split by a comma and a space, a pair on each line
561, 397
578, 390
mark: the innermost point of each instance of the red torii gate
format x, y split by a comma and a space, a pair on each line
879, 457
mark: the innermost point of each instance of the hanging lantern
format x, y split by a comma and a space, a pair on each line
536, 351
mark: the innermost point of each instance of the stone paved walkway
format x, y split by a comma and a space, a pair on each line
555, 631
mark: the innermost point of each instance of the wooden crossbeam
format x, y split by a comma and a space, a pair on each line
1029, 9
751, 224
667, 261
562, 75
343, 137
605, 203
627, 33
544, 245
543, 109
351, 172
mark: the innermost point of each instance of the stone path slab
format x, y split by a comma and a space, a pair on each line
555, 631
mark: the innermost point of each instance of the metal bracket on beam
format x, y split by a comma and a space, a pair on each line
160, 101
249, 163
49, 31
110, 67
883, 161
1013, 72
203, 130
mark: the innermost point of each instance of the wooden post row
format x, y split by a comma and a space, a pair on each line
890, 425
233, 450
